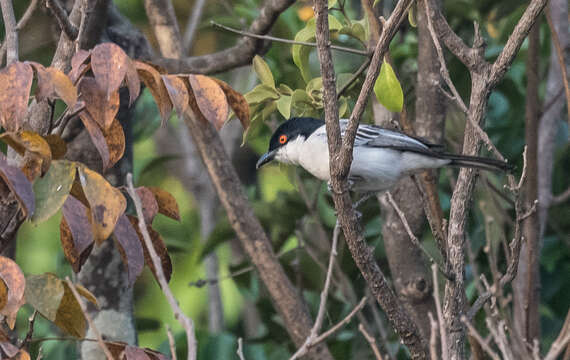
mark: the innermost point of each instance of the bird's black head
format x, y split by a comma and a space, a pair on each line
289, 130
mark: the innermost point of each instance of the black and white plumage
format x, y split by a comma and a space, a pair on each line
380, 156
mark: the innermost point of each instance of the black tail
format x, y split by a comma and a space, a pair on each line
478, 162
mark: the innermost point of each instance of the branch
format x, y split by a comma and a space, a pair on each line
70, 30
186, 322
171, 343
21, 23
560, 56
192, 26
239, 54
286, 41
89, 319
413, 237
433, 337
240, 349
484, 344
442, 329
340, 159
11, 31
371, 341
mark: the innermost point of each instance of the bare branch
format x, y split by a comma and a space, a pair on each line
21, 24
413, 237
286, 41
186, 322
89, 319
341, 323
171, 343
70, 30
484, 344
240, 349
371, 341
441, 321
560, 56
353, 78
192, 25
561, 341
11, 30
561, 198
433, 337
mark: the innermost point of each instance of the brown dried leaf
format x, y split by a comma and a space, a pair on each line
52, 189
149, 204
151, 78
31, 166
20, 186
86, 294
135, 353
105, 201
237, 102
130, 248
97, 137
115, 139
167, 204
15, 84
3, 294
57, 146
76, 233
109, 64
21, 355
210, 98
177, 92
44, 293
79, 65
70, 317
102, 108
133, 82
28, 141
159, 247
54, 83
13, 278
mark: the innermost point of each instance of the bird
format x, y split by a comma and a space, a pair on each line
380, 156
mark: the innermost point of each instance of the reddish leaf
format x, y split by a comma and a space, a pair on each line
76, 233
53, 83
103, 109
105, 201
148, 202
237, 102
109, 64
135, 353
57, 146
20, 186
97, 137
133, 82
151, 78
177, 92
79, 65
15, 282
15, 84
130, 248
115, 139
210, 98
119, 348
9, 349
167, 204
159, 247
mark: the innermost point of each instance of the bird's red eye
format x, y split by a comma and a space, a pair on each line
282, 139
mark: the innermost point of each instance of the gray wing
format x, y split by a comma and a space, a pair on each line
374, 136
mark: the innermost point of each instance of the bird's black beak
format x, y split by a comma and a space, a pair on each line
265, 158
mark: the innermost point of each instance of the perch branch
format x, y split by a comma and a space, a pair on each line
11, 30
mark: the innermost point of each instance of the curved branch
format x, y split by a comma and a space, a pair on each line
239, 54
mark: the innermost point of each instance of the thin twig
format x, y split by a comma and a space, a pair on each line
286, 41
440, 320
192, 25
67, 115
560, 198
324, 295
415, 241
561, 62
21, 24
186, 322
11, 31
171, 342
371, 341
341, 323
240, 349
484, 344
30, 333
62, 18
89, 319
355, 76
82, 25
561, 340
433, 336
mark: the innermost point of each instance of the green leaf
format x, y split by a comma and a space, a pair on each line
412, 15
376, 2
285, 90
342, 106
307, 34
302, 104
356, 30
263, 72
284, 106
314, 87
52, 189
332, 3
388, 89
261, 93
